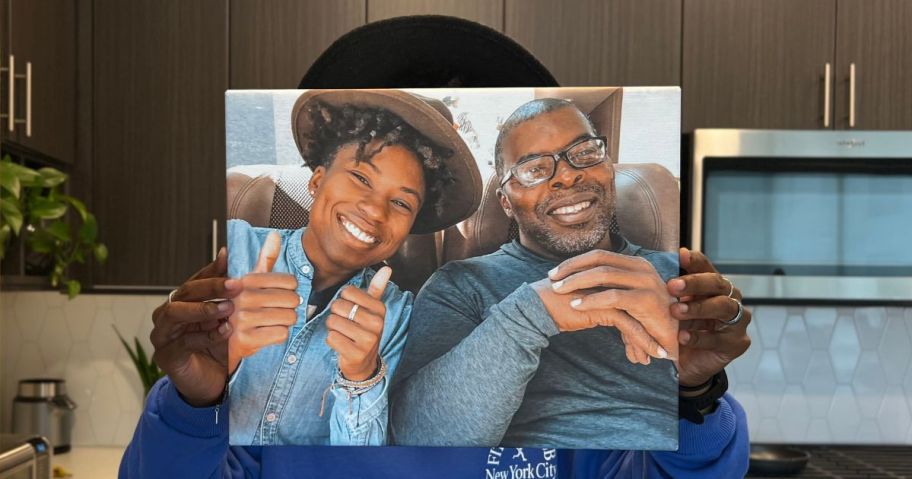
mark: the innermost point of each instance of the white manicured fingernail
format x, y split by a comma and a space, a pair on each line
662, 353
576, 302
553, 272
300, 300
224, 328
557, 285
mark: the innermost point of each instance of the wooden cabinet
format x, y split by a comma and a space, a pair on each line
42, 34
486, 12
160, 71
601, 42
763, 64
874, 36
273, 43
756, 64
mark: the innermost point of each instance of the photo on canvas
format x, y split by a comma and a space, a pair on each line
454, 267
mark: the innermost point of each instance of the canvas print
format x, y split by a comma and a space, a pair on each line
454, 267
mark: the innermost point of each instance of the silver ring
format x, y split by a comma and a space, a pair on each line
351, 314
171, 295
731, 290
738, 317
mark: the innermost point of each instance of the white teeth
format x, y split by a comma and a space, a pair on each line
568, 210
357, 233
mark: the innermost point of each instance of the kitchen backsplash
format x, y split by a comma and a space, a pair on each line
827, 375
45, 335
813, 374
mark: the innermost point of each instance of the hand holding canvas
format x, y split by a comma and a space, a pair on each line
707, 345
357, 340
264, 309
611, 289
190, 333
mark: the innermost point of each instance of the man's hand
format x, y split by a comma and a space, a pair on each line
609, 289
357, 340
264, 309
707, 345
189, 333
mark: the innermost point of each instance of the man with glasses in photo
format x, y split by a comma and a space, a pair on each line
507, 348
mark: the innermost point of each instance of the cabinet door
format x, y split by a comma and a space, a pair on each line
601, 42
486, 12
875, 36
44, 33
756, 64
274, 43
160, 75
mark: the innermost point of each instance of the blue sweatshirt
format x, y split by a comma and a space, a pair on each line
176, 440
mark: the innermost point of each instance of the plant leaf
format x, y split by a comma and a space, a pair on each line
51, 177
43, 208
5, 232
59, 229
27, 176
10, 182
125, 345
101, 252
11, 214
78, 205
41, 242
89, 229
73, 288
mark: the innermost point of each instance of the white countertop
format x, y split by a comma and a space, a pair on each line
85, 462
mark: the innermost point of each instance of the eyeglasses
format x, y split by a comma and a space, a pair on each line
541, 168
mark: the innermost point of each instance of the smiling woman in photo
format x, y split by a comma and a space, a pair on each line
316, 331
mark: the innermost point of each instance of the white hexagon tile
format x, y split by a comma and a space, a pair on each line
812, 375
44, 334
828, 375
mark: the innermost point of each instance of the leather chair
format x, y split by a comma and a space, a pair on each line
277, 197
646, 213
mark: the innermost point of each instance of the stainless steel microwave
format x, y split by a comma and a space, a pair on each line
806, 215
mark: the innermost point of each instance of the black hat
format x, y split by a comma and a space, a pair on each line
426, 51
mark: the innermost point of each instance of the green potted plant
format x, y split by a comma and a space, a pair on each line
34, 209
148, 371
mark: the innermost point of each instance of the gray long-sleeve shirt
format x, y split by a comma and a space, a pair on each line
484, 365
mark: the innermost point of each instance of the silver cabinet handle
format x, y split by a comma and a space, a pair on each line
28, 99
827, 70
851, 95
214, 239
11, 69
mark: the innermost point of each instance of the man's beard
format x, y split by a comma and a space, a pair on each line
584, 237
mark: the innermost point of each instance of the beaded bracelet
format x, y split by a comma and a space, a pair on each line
355, 388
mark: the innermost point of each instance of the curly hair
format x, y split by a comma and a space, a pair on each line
337, 126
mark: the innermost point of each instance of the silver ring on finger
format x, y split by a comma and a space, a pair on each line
738, 317
351, 314
731, 287
171, 295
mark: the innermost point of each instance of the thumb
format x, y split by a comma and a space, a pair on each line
379, 281
269, 253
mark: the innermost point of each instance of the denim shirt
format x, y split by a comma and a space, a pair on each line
277, 393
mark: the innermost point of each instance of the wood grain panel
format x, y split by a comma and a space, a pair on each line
875, 35
160, 74
756, 64
601, 42
44, 33
486, 12
273, 43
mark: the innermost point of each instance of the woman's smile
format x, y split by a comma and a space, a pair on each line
364, 235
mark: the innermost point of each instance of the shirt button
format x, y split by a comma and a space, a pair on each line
305, 269
292, 359
271, 417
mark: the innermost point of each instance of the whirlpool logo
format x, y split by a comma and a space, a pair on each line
851, 143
